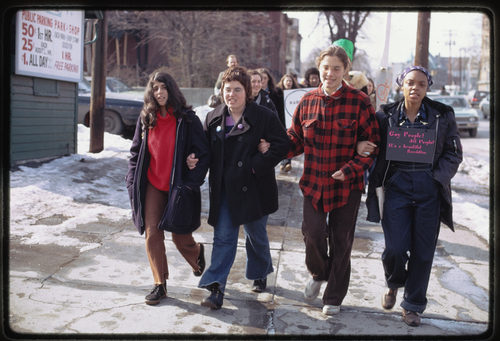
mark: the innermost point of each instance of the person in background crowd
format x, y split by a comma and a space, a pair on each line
397, 94
287, 82
260, 96
348, 47
275, 93
371, 93
327, 125
311, 78
215, 99
294, 75
444, 92
417, 194
358, 81
167, 131
243, 188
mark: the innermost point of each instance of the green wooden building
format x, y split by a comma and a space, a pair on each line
43, 118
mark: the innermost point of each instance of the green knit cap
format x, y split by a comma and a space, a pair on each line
347, 45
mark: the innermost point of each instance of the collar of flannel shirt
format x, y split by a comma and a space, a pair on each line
421, 116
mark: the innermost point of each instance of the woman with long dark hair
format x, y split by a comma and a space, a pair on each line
275, 93
287, 82
167, 131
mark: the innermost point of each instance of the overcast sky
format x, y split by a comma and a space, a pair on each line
465, 29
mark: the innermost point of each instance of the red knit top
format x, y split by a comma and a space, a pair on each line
161, 145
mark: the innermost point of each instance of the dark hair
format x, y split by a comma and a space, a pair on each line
270, 83
295, 85
309, 72
238, 74
176, 99
334, 50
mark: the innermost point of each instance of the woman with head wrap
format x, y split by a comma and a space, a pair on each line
416, 189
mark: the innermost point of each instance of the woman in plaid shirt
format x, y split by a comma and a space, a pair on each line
326, 125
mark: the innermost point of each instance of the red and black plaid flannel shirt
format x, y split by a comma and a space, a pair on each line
326, 129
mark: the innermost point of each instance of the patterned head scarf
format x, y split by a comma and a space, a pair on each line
401, 77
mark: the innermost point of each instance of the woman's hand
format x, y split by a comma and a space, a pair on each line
365, 148
191, 161
264, 146
339, 175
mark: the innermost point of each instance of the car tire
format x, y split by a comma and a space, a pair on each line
472, 132
112, 122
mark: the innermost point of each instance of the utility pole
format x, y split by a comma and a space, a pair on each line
450, 42
98, 87
423, 31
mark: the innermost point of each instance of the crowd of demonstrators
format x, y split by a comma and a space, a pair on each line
337, 129
167, 131
243, 188
259, 95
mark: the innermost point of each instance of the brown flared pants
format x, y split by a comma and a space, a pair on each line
154, 206
329, 245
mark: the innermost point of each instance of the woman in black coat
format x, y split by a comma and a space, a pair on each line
167, 131
416, 187
243, 189
275, 93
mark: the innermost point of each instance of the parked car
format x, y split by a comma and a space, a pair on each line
484, 106
476, 96
120, 113
467, 118
116, 85
433, 93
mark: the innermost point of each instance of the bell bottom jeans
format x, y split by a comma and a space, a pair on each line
258, 262
411, 228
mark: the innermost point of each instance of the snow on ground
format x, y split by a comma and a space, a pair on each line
85, 187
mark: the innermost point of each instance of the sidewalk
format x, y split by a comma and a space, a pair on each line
99, 291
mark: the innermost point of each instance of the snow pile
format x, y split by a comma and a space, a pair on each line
477, 170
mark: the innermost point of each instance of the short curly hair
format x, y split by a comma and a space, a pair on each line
238, 74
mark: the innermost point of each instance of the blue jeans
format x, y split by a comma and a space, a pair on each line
258, 263
411, 228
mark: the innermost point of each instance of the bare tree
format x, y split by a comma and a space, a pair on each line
345, 24
193, 45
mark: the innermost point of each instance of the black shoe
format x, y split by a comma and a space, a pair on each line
259, 285
201, 262
159, 292
214, 301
